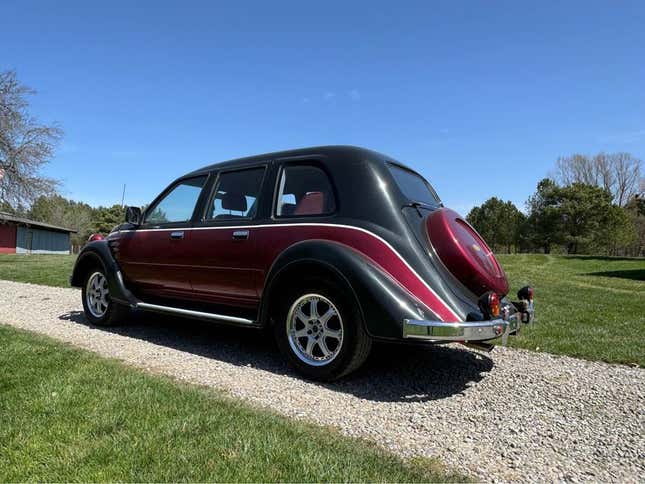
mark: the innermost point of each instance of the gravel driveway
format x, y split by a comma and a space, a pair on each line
507, 415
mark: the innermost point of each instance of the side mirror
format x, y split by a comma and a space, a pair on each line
133, 215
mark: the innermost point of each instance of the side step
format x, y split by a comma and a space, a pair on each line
194, 314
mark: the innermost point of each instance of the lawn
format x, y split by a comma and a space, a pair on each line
587, 307
69, 415
51, 270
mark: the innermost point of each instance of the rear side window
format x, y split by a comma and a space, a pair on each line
236, 195
304, 190
178, 204
414, 187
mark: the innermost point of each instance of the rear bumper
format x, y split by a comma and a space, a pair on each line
467, 331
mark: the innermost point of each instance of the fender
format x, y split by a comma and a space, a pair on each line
383, 302
98, 252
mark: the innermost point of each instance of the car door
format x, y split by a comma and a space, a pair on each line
154, 256
223, 243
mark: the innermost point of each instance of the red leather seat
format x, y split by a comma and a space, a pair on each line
311, 204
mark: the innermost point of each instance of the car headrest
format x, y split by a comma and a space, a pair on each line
312, 203
234, 201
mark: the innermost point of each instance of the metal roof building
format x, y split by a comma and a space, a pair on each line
23, 236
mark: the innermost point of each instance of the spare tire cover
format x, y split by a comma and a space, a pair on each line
464, 253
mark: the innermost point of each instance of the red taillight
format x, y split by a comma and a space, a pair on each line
94, 237
490, 305
493, 304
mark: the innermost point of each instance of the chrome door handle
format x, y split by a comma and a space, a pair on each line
240, 235
177, 235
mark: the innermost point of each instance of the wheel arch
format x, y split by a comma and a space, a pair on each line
381, 301
85, 262
280, 276
98, 253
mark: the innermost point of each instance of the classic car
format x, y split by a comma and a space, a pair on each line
329, 248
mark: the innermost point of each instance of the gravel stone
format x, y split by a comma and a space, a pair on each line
510, 415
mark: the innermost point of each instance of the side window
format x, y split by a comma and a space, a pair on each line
236, 195
304, 190
178, 204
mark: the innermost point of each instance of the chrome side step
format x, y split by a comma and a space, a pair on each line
194, 314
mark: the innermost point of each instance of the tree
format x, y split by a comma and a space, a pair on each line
19, 210
25, 145
106, 218
60, 211
617, 173
498, 222
579, 216
636, 211
617, 232
543, 226
627, 171
582, 210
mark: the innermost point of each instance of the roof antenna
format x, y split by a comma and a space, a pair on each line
123, 196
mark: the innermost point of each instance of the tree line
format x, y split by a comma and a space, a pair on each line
592, 205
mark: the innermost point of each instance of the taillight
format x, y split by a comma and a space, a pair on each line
94, 237
489, 305
525, 294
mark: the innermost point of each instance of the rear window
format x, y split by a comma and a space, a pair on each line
304, 191
414, 187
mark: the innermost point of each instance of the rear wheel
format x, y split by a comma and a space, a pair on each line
99, 308
320, 331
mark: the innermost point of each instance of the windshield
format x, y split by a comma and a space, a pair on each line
414, 187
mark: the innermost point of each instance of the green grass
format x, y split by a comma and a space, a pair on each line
50, 270
68, 415
587, 307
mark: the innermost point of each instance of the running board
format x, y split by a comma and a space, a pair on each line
194, 314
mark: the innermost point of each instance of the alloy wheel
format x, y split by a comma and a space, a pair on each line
97, 295
315, 329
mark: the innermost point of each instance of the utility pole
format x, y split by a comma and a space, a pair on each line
123, 196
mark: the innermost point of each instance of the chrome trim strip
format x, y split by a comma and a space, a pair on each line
312, 224
459, 331
194, 314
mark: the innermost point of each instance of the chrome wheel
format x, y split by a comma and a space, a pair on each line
315, 329
97, 295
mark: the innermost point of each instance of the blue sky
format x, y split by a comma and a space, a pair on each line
480, 97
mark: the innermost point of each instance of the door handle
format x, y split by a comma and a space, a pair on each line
240, 235
177, 235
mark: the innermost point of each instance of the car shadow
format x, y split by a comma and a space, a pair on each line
633, 274
392, 373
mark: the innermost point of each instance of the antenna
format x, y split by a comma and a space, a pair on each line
123, 196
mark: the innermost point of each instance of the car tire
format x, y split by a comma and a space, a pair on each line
99, 308
325, 343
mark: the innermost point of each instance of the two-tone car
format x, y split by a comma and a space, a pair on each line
330, 248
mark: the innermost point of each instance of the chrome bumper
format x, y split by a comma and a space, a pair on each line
469, 330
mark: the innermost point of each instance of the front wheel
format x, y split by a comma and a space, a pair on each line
320, 330
99, 308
